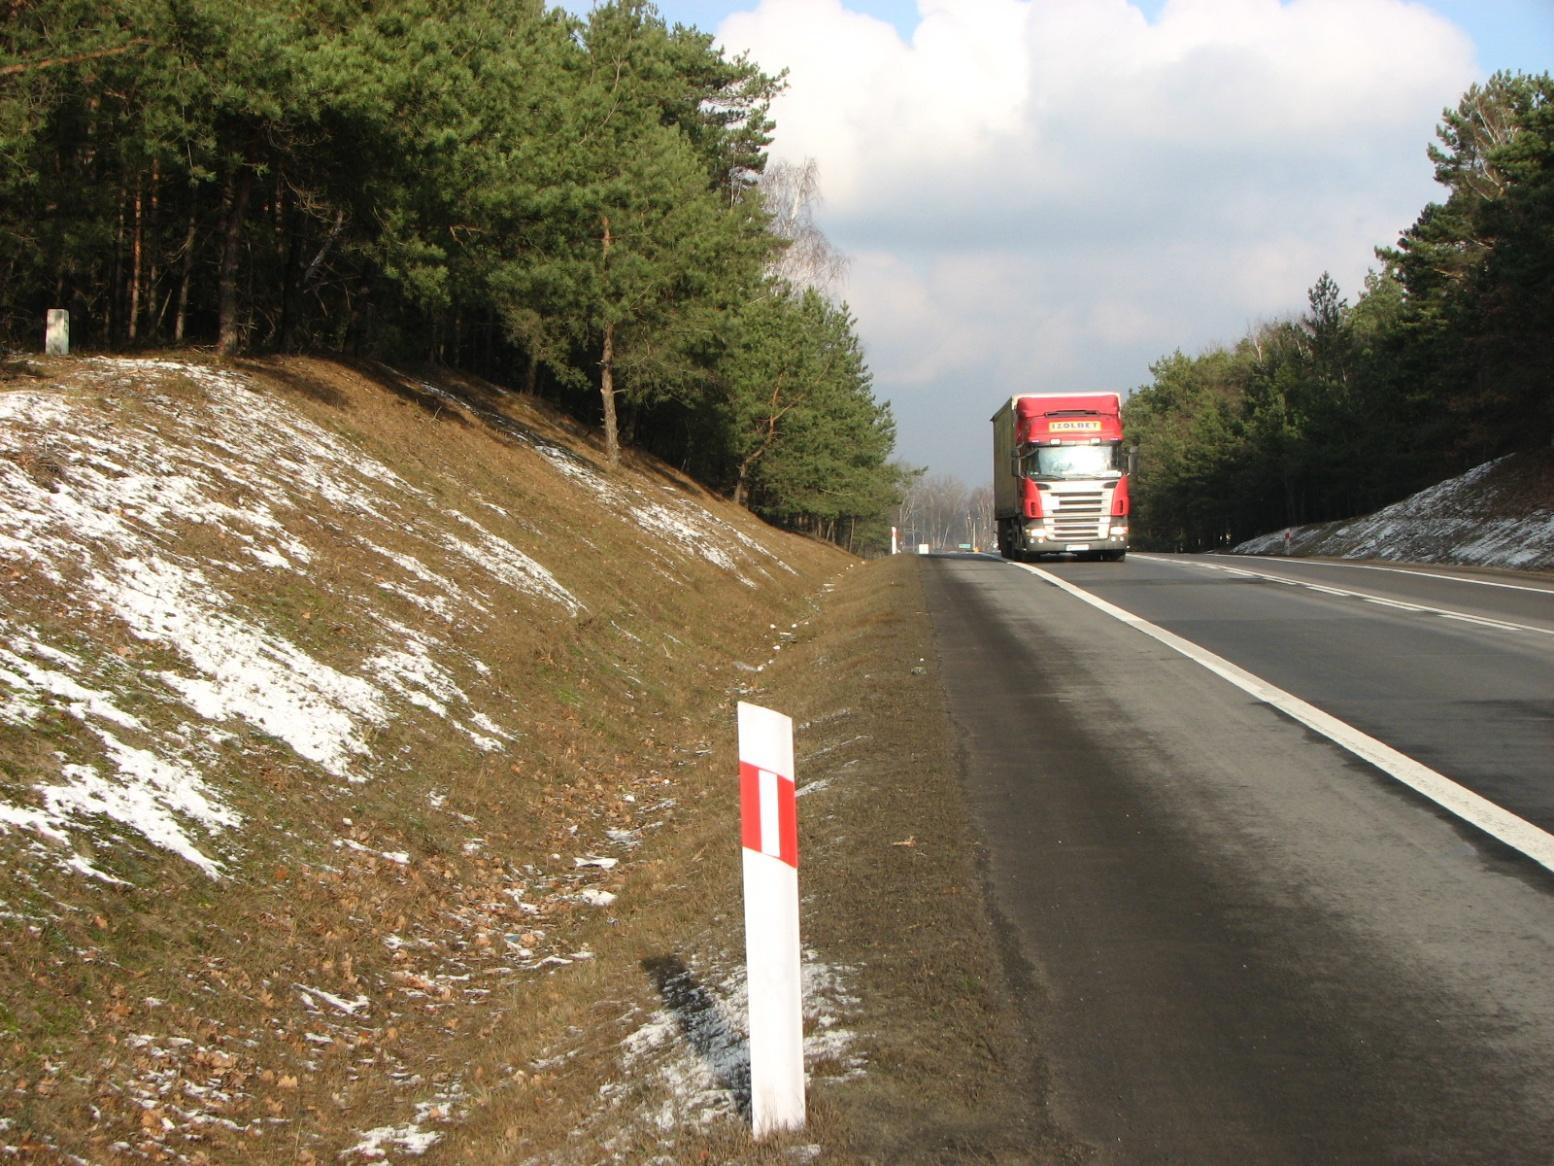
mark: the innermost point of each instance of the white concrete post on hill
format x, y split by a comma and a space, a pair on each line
56, 336
769, 830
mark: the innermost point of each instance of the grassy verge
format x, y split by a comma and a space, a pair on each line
918, 1046
376, 952
440, 945
895, 892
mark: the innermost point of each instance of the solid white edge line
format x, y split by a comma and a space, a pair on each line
1406, 571
1499, 823
1401, 605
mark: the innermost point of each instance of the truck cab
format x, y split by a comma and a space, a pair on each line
1060, 476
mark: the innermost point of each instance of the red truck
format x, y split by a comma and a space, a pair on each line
1060, 477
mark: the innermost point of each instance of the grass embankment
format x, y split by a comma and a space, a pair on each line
321, 690
431, 848
932, 1056
894, 890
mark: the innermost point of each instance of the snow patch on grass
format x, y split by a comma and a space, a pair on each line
691, 527
242, 672
681, 523
695, 1051
1466, 520
104, 483
150, 794
412, 1138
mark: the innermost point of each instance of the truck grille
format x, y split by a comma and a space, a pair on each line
1078, 518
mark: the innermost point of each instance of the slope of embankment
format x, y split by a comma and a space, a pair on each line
346, 716
1499, 514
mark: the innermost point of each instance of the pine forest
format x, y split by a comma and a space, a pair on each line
576, 208
584, 209
1444, 362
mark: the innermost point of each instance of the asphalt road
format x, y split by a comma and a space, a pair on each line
1242, 943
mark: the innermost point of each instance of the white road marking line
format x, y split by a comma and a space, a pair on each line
1401, 605
1421, 574
1496, 821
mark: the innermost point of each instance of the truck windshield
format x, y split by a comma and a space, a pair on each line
1072, 461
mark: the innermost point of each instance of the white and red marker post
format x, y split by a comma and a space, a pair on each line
769, 829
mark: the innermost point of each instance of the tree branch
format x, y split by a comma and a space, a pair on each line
73, 59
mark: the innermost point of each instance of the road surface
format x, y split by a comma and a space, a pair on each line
1244, 943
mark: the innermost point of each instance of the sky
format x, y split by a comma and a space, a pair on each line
1035, 195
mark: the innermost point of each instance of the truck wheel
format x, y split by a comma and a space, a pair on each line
1006, 545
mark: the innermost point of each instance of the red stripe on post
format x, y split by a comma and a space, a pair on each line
749, 806
768, 813
788, 820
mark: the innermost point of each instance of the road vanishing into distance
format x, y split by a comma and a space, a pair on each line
1271, 843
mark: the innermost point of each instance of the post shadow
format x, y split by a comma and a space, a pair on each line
705, 1025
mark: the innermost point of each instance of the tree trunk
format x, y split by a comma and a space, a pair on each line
116, 297
299, 280
186, 272
774, 414
294, 276
229, 332
137, 241
291, 292
612, 443
72, 59
154, 252
612, 440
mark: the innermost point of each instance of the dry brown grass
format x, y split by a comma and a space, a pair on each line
893, 900
184, 1019
893, 871
180, 1018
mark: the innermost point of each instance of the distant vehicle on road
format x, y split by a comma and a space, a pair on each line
1060, 477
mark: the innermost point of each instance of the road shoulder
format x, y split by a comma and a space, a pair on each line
895, 887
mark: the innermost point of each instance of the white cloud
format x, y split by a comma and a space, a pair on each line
1041, 193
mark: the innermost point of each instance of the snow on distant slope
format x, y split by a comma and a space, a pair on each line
150, 493
1499, 514
668, 519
